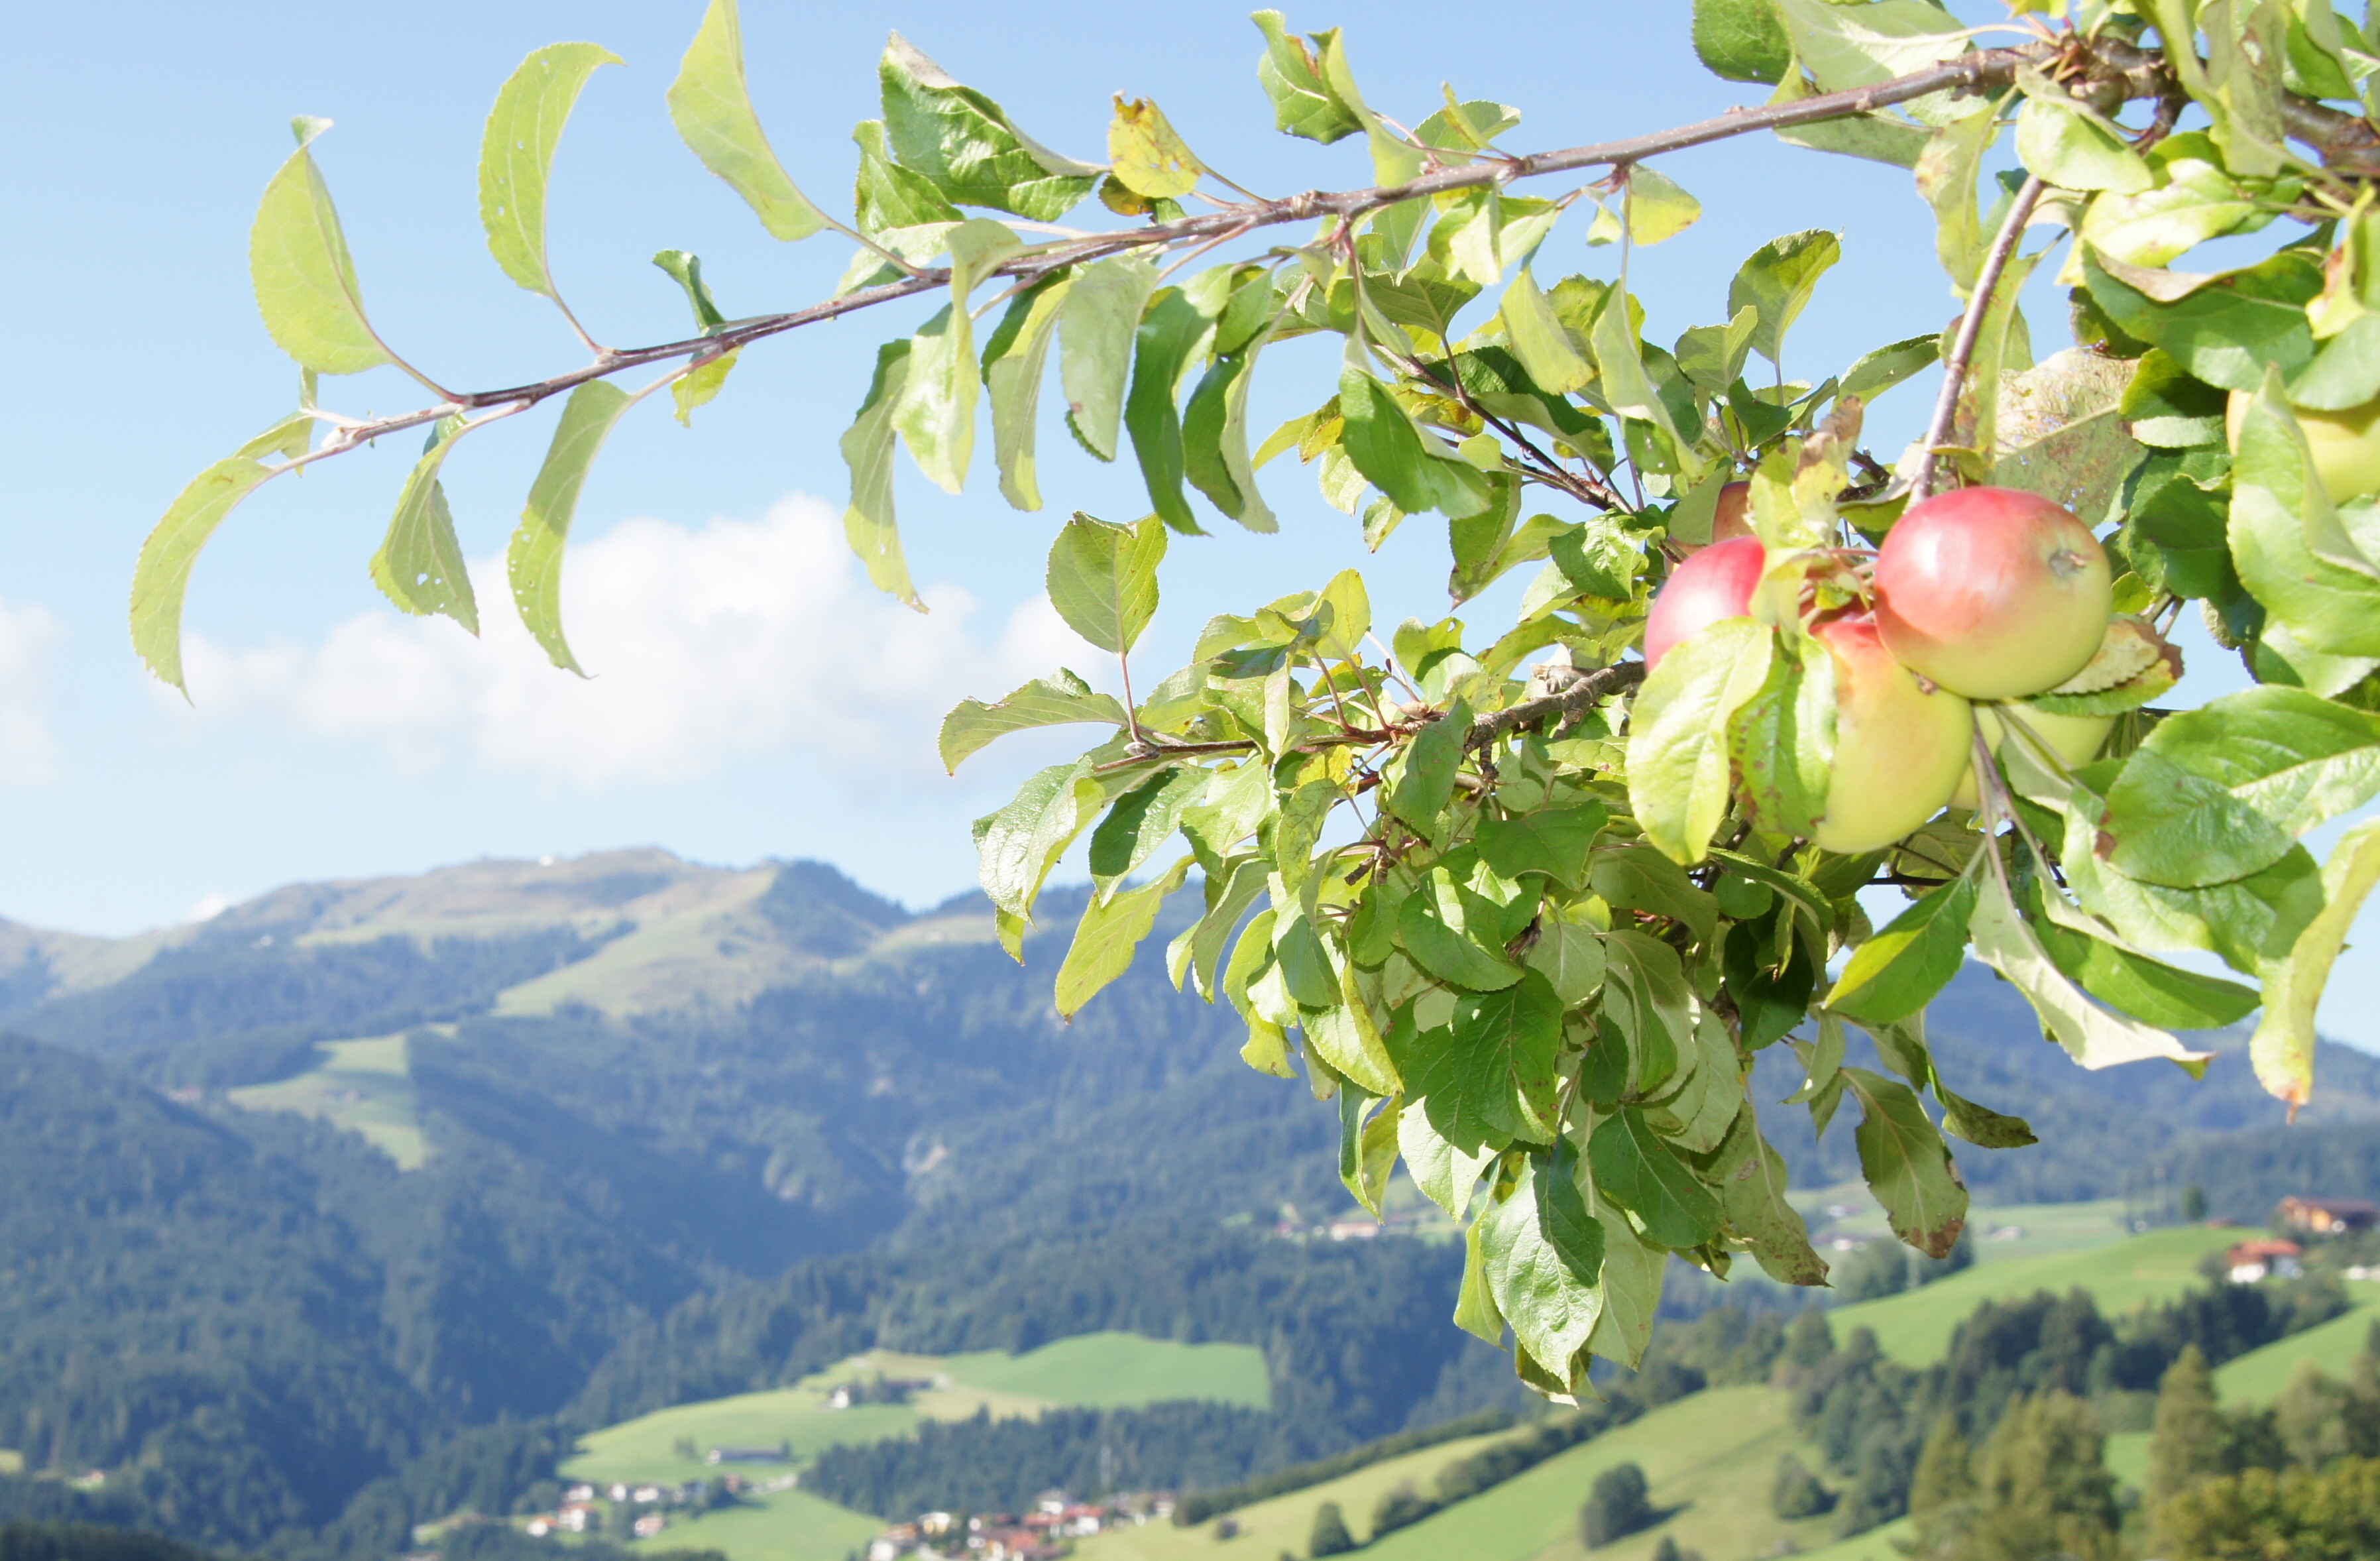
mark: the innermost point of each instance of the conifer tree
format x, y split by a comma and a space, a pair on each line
1942, 1494
2186, 1445
1331, 1535
2042, 1487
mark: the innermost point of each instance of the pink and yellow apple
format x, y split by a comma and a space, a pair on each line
1716, 584
2076, 739
1992, 592
1899, 749
2346, 445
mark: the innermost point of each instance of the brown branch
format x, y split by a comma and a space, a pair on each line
1971, 330
2119, 72
1582, 696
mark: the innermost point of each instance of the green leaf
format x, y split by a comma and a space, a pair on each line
1680, 770
305, 279
2226, 334
1637, 876
2287, 543
1637, 1170
1645, 995
700, 386
893, 201
161, 577
1474, 1304
2165, 407
713, 110
2125, 979
1752, 1181
1898, 971
1510, 1042
1553, 842
1169, 336
686, 270
1879, 370
534, 559
1367, 1151
1771, 998
868, 522
1544, 1258
2071, 150
1783, 737
935, 412
968, 147
1215, 434
1102, 579
1947, 172
1571, 958
1626, 388
1097, 327
1632, 1271
2223, 791
1848, 46
1015, 360
1658, 207
1015, 847
1743, 39
1394, 454
1445, 1175
1140, 821
1422, 783
1907, 1164
1451, 935
2091, 1035
1303, 103
1778, 281
2283, 1046
2194, 199
1539, 339
972, 725
1104, 940
516, 155
419, 566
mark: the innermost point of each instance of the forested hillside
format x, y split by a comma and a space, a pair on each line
690, 1132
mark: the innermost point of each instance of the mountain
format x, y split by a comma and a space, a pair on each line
342, 1208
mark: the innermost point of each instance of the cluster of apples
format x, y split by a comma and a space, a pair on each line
1979, 594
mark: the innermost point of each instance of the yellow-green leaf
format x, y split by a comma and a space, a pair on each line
163, 575
2283, 1048
1106, 937
534, 561
713, 110
1150, 158
305, 279
516, 155
419, 566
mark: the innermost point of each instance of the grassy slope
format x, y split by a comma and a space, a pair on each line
1916, 1327
363, 1086
1107, 1371
1099, 1369
11, 1461
1709, 1457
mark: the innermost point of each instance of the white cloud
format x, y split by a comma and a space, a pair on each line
703, 645
28, 752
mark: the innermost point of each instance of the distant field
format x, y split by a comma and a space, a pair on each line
363, 1086
2258, 1376
1915, 1326
1095, 1370
1876, 1545
2000, 1233
1112, 1371
11, 1461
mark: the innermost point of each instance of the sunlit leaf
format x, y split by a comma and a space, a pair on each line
305, 279
516, 155
161, 577
534, 560
713, 110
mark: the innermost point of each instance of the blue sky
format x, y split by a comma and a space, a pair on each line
752, 698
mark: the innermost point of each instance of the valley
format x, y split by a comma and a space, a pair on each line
448, 1194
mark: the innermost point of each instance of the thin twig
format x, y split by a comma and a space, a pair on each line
1971, 330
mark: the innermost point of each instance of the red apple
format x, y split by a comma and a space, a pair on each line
1900, 749
1991, 593
1716, 584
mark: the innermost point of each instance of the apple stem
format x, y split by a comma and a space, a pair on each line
1971, 330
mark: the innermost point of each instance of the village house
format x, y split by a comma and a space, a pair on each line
2251, 1262
2327, 1216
